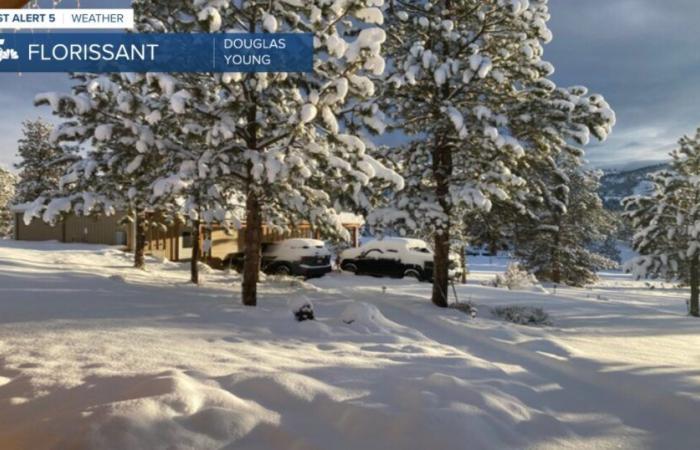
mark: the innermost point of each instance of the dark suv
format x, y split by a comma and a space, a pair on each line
394, 257
308, 258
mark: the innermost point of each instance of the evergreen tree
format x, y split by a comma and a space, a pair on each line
117, 114
556, 241
291, 141
42, 161
469, 87
8, 180
198, 175
667, 222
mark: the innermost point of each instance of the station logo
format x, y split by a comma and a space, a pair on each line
7, 53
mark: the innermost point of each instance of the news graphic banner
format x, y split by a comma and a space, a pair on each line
37, 19
154, 52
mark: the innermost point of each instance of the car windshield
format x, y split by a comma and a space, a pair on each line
269, 247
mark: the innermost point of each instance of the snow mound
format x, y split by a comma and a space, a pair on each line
204, 268
118, 278
367, 318
287, 281
292, 386
175, 410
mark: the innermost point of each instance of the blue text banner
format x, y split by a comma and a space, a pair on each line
153, 52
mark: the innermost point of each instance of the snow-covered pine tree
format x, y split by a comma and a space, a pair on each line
556, 240
8, 181
198, 174
291, 141
469, 87
42, 162
117, 115
667, 222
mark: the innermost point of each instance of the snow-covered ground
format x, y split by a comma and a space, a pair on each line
94, 354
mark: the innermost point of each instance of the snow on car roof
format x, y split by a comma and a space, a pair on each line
409, 242
301, 241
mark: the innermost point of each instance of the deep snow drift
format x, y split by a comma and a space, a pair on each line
94, 354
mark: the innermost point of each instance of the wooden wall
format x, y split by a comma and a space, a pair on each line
90, 230
37, 230
94, 230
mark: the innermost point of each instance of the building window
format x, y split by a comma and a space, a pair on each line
186, 239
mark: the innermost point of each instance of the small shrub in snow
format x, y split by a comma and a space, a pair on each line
306, 312
522, 315
302, 308
468, 308
514, 278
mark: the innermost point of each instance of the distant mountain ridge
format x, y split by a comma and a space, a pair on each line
618, 184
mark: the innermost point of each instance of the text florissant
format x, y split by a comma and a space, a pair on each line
93, 52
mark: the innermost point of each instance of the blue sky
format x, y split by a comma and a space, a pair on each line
642, 55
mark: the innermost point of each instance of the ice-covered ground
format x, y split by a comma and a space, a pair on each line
94, 354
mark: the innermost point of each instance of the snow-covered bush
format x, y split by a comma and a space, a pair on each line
522, 315
513, 278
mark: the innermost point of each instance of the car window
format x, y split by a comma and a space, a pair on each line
420, 249
373, 252
391, 250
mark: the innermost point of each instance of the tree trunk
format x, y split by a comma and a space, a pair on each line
253, 231
556, 263
196, 251
140, 248
440, 269
695, 286
442, 171
253, 242
463, 258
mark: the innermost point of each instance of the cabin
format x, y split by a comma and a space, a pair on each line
172, 242
107, 230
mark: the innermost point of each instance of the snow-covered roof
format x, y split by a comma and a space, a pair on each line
351, 218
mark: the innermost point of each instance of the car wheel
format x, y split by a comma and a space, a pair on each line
413, 273
283, 269
349, 267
